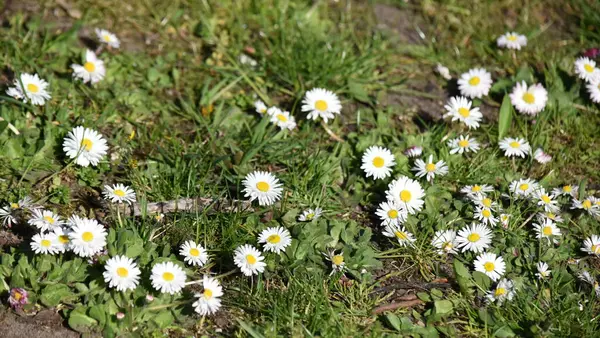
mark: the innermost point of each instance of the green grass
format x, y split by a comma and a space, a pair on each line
176, 109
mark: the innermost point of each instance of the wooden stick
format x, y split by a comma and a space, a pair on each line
397, 305
188, 205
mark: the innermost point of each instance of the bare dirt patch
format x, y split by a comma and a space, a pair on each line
46, 324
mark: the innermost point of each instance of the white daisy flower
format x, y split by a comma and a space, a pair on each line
321, 103
275, 239
108, 38
85, 145
44, 244
587, 204
586, 69
273, 110
310, 214
505, 220
486, 216
119, 193
445, 241
570, 190
524, 187
459, 109
483, 201
490, 264
443, 71
430, 169
586, 277
591, 245
512, 40
413, 151
263, 186
593, 88
193, 254
515, 147
88, 237
475, 83
63, 242
541, 157
92, 70
391, 213
546, 200
505, 290
45, 220
543, 270
168, 277
475, 190
529, 100
73, 220
546, 229
26, 203
407, 193
249, 260
6, 216
209, 301
404, 237
260, 107
554, 217
283, 120
121, 273
30, 88
475, 238
463, 144
337, 261
378, 162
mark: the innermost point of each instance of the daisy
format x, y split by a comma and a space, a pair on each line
475, 83
260, 107
546, 200
587, 205
407, 193
121, 273
445, 241
459, 109
168, 277
92, 70
554, 217
18, 297
263, 186
413, 151
283, 120
193, 254
463, 144
512, 41
543, 271
485, 215
541, 157
378, 162
85, 145
476, 189
63, 242
88, 237
570, 190
529, 100
391, 213
209, 301
524, 187
475, 238
273, 110
119, 193
337, 261
108, 38
7, 217
249, 260
30, 88
45, 220
593, 89
514, 147
586, 69
484, 202
443, 71
404, 237
275, 239
430, 169
504, 220
490, 264
546, 229
591, 245
26, 203
44, 244
504, 291
321, 103
310, 214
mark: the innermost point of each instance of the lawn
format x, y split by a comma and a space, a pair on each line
354, 241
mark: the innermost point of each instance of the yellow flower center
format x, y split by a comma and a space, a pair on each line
87, 236
547, 231
473, 237
207, 293
463, 143
282, 118
106, 37
401, 235
514, 144
476, 188
464, 112
474, 81
551, 215
546, 198
14, 205
262, 110
119, 192
87, 144
17, 295
392, 213
274, 239
487, 202
567, 188
486, 213
33, 88
64, 239
262, 186
586, 204
500, 292
448, 246
588, 68
45, 243
595, 249
194, 252
430, 167
405, 196
310, 216
528, 98
524, 186
168, 276
337, 259
489, 266
321, 105
378, 162
511, 38
49, 219
90, 67
122, 272
251, 259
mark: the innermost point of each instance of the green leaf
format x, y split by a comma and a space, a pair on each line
504, 332
482, 280
135, 250
443, 306
79, 321
505, 117
97, 312
394, 321
163, 318
461, 270
249, 329
52, 295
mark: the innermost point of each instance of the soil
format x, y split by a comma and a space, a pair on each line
45, 324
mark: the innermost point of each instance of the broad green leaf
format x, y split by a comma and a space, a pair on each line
443, 306
394, 321
505, 117
79, 321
